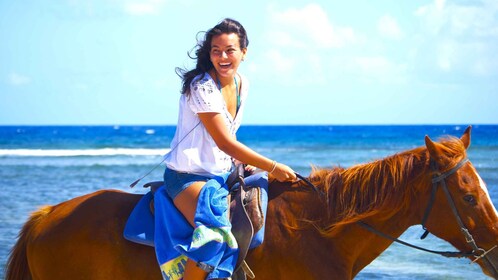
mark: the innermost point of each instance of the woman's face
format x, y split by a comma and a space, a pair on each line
226, 54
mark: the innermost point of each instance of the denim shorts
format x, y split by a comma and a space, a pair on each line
175, 182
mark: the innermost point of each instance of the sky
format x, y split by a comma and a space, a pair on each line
112, 62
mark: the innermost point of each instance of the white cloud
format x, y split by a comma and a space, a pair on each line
463, 35
289, 68
372, 64
16, 79
379, 69
306, 48
144, 7
281, 64
109, 8
388, 27
446, 56
301, 42
477, 18
275, 65
79, 86
308, 27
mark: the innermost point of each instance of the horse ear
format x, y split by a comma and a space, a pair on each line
466, 137
434, 150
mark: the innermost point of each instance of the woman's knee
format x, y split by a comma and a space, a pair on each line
186, 201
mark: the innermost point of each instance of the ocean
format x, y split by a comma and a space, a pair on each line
49, 164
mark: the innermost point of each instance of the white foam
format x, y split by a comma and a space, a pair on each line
82, 152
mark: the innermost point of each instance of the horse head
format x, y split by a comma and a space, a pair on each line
461, 211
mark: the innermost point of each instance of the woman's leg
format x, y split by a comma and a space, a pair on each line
186, 202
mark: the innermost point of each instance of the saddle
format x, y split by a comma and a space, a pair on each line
247, 217
246, 213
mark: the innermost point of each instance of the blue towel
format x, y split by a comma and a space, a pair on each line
210, 244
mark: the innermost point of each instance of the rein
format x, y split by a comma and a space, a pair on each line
447, 254
304, 179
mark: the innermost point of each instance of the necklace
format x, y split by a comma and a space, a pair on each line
236, 91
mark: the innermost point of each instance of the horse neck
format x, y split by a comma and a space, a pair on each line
379, 189
396, 186
398, 189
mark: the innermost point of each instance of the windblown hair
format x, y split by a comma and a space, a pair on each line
384, 186
203, 49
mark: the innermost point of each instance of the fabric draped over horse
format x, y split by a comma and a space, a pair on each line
211, 243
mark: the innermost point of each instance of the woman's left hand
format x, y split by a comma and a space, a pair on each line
247, 168
250, 169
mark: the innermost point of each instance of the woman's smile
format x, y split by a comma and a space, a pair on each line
226, 54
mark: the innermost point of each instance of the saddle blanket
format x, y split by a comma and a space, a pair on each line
140, 225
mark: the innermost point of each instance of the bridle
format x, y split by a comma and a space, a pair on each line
439, 179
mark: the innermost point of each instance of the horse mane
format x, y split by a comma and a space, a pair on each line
383, 186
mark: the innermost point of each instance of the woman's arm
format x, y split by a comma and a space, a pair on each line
215, 125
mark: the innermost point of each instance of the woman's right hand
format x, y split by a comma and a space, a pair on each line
284, 173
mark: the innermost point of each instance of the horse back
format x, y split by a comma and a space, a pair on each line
82, 239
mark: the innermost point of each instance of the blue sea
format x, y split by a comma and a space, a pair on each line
49, 164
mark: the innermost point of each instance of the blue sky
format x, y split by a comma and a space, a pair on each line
323, 62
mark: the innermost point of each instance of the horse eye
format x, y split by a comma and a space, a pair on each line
470, 199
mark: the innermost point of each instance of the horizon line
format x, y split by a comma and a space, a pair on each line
255, 124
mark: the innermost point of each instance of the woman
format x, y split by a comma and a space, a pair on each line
204, 145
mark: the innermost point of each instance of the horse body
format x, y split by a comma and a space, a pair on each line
309, 234
66, 236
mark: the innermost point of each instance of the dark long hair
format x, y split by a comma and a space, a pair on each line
203, 49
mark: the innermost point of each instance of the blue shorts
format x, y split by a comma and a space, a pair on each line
175, 182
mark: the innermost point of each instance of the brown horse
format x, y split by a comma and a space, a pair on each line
309, 234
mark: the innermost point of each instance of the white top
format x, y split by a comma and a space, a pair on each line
193, 150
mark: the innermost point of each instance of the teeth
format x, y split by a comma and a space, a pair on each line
225, 64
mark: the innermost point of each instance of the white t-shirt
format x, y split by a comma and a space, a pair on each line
193, 150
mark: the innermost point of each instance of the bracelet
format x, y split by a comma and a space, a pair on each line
274, 165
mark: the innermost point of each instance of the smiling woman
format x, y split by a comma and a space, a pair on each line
203, 152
